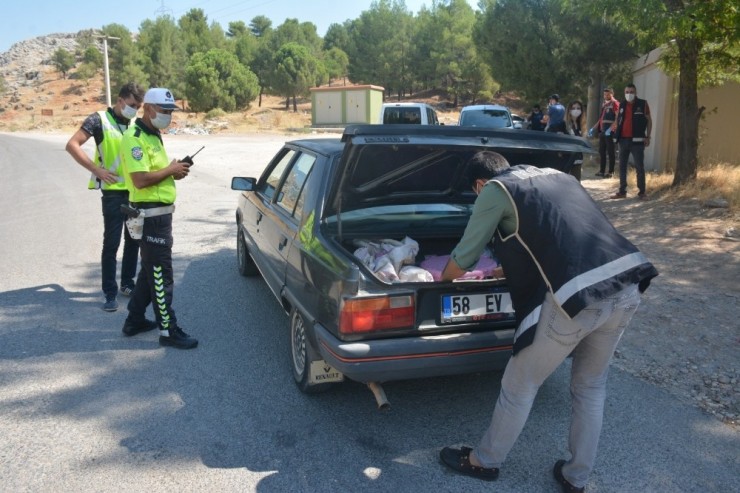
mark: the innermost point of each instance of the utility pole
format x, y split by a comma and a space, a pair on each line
105, 66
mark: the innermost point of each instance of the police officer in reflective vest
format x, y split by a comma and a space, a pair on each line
106, 128
150, 178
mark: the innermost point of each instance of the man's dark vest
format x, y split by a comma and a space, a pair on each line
639, 120
563, 244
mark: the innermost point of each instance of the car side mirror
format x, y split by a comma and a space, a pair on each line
242, 183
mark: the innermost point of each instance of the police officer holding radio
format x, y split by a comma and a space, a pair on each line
106, 128
150, 178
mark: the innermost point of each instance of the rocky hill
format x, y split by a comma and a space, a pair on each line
36, 96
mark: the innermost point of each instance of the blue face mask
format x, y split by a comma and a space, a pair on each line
161, 120
128, 112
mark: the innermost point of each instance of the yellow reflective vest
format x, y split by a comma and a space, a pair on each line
142, 151
107, 154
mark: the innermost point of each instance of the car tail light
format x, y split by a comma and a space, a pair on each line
361, 315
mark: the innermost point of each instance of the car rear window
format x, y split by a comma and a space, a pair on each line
387, 170
485, 118
400, 114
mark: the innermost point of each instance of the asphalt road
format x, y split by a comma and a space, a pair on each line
84, 409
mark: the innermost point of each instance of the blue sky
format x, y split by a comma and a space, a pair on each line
26, 19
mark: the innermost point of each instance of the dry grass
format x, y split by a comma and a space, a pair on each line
712, 182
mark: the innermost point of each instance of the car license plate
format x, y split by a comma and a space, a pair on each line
457, 308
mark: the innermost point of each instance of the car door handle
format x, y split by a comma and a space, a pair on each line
283, 242
259, 217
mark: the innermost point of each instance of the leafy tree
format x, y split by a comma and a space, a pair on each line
425, 38
520, 41
63, 61
454, 55
296, 71
216, 79
244, 45
194, 32
292, 31
86, 71
701, 44
93, 56
85, 39
260, 26
218, 36
336, 62
236, 29
92, 62
163, 53
337, 36
539, 47
125, 61
262, 64
380, 46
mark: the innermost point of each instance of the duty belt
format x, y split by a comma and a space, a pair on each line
134, 211
158, 211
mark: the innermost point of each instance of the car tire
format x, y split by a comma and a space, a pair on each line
247, 266
302, 355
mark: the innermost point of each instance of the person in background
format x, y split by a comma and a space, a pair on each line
150, 178
575, 119
575, 124
607, 116
632, 133
535, 119
555, 117
575, 283
106, 127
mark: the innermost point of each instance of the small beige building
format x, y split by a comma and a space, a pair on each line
719, 129
342, 105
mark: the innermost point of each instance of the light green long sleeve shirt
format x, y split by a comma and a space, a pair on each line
492, 209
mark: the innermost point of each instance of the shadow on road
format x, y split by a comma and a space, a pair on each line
231, 404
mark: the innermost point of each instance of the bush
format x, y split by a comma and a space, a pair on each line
215, 113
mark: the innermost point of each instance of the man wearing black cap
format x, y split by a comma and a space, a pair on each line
555, 115
150, 178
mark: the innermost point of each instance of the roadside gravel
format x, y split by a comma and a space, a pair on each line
685, 336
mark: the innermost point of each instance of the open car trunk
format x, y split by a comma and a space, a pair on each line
412, 259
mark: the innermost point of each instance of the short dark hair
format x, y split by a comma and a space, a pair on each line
631, 85
132, 89
486, 165
537, 106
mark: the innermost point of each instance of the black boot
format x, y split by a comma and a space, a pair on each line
178, 339
133, 327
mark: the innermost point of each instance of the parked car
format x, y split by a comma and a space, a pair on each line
519, 121
408, 113
486, 116
301, 224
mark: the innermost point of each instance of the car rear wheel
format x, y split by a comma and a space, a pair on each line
247, 266
303, 354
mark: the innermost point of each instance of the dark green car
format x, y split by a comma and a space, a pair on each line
319, 201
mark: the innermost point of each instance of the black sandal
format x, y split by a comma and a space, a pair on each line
459, 461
